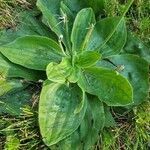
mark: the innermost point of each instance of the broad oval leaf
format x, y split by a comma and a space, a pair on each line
62, 72
34, 52
50, 11
136, 46
87, 134
28, 25
92, 124
54, 19
96, 5
135, 69
87, 59
57, 117
10, 86
59, 72
13, 103
109, 120
109, 86
55, 73
68, 23
109, 36
76, 5
9, 69
82, 29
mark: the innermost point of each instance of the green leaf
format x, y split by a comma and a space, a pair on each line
76, 5
66, 10
137, 47
50, 11
109, 120
7, 36
87, 134
82, 29
28, 25
92, 124
108, 138
68, 23
54, 18
96, 5
31, 24
109, 86
8, 69
109, 36
59, 72
135, 70
62, 72
57, 117
56, 72
13, 102
87, 59
74, 74
34, 52
10, 86
12, 142
81, 105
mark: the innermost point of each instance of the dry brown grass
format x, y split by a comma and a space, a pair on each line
9, 10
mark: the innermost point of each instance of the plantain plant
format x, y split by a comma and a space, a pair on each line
86, 62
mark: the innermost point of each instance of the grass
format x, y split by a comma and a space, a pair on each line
21, 132
138, 16
9, 10
133, 130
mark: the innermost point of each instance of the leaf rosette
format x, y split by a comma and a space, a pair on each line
87, 64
